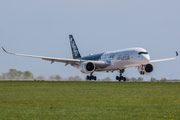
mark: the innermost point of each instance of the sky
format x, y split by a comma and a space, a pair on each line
42, 27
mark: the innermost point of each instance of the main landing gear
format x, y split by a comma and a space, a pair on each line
91, 77
121, 77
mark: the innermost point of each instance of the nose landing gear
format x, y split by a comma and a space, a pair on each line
91, 77
121, 77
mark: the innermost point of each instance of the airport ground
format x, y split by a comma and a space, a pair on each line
65, 100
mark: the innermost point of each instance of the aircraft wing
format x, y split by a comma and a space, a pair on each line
99, 64
151, 61
52, 59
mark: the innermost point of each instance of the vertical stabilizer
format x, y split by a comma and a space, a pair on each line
75, 51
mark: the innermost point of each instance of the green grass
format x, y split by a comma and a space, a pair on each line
89, 100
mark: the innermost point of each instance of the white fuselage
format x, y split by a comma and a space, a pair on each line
121, 59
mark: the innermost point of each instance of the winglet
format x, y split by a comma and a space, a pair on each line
7, 51
177, 54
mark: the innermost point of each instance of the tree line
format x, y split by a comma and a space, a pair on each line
14, 74
140, 79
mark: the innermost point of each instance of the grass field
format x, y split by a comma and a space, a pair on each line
89, 100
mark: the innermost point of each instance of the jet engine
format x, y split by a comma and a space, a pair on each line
145, 69
87, 67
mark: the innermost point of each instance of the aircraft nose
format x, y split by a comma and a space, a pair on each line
146, 58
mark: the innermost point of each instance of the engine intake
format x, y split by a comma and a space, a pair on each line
87, 67
145, 69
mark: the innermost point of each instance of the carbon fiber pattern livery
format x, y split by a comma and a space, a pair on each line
74, 48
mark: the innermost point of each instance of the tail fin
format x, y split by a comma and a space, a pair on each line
75, 51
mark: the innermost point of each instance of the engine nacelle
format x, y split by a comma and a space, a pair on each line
145, 69
87, 67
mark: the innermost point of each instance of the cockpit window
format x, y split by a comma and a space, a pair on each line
142, 53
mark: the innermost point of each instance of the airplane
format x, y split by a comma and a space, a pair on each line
111, 61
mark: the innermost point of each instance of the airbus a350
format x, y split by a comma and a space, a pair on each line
111, 61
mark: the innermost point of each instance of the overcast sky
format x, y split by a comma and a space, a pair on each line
41, 27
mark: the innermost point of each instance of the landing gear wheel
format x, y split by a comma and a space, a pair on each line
121, 77
87, 77
124, 79
142, 72
91, 77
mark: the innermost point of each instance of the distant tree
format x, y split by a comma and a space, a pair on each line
13, 73
77, 78
163, 80
4, 76
28, 75
0, 77
18, 75
40, 78
133, 79
127, 79
140, 79
153, 79
107, 79
51, 77
71, 78
58, 78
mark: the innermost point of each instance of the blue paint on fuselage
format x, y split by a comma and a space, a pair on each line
94, 57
